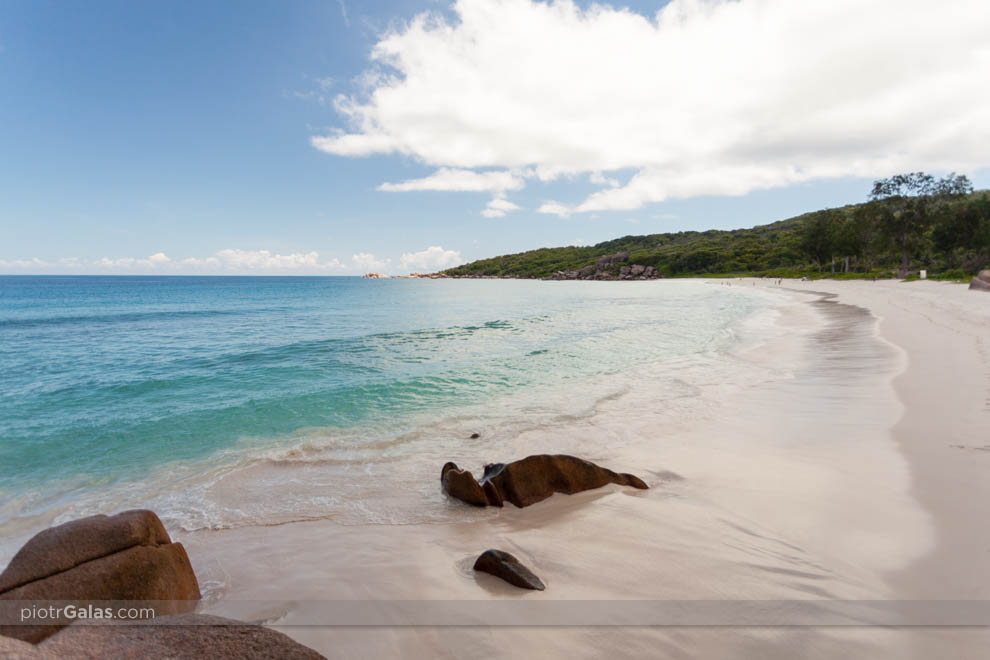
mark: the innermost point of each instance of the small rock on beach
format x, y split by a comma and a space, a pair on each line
505, 566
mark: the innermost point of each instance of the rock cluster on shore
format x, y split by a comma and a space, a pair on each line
607, 268
525, 482
127, 557
124, 557
130, 557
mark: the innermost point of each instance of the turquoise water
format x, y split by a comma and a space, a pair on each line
130, 385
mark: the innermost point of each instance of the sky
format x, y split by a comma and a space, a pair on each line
332, 137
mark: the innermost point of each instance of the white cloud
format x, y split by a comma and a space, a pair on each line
33, 263
555, 208
224, 262
431, 259
459, 180
498, 206
353, 145
265, 260
599, 179
708, 97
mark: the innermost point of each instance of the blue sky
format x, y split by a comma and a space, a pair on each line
258, 133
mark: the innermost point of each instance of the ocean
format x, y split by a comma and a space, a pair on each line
229, 401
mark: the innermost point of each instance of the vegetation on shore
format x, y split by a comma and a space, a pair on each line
910, 222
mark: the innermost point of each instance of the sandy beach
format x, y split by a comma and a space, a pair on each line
484, 329
856, 470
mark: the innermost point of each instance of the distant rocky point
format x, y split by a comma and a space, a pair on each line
981, 282
410, 276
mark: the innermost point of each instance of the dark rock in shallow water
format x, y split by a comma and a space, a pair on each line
460, 484
181, 636
124, 557
475, 436
492, 494
503, 565
531, 480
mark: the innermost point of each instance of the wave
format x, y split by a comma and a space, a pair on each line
217, 438
120, 317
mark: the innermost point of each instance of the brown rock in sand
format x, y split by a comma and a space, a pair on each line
462, 485
60, 548
503, 565
531, 480
15, 649
124, 557
181, 636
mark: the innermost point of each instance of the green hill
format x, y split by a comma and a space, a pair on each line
956, 238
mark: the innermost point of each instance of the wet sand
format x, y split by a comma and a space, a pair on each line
855, 470
944, 331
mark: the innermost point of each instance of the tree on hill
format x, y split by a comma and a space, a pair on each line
851, 237
817, 237
908, 204
964, 227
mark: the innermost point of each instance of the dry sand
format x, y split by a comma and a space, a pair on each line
859, 469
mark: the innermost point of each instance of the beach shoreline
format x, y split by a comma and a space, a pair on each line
945, 389
943, 433
833, 456
795, 488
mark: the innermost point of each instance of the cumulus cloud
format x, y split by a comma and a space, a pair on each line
707, 97
499, 206
459, 180
431, 259
555, 208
